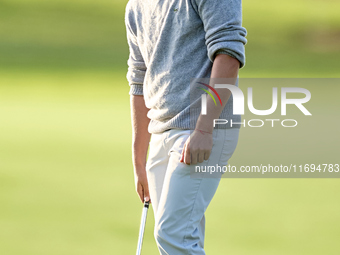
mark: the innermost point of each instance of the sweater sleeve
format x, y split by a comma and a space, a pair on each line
222, 21
136, 65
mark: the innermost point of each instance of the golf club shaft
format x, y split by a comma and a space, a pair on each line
142, 228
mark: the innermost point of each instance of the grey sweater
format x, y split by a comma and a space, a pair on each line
173, 41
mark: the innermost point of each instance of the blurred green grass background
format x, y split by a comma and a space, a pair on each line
66, 181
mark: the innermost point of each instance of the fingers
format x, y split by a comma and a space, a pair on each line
140, 192
143, 191
201, 157
184, 153
187, 156
196, 150
194, 157
146, 194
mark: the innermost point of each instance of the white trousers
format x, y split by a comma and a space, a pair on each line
179, 198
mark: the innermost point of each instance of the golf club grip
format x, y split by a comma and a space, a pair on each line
142, 228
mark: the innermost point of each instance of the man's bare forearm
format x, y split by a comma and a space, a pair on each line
224, 67
198, 147
140, 134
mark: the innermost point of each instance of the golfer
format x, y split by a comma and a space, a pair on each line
172, 42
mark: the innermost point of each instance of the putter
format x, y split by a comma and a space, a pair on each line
142, 227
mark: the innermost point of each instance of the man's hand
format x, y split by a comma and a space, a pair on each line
141, 182
197, 148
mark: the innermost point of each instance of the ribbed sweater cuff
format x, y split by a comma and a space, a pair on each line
136, 89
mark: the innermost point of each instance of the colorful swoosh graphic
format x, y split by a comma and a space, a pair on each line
213, 90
